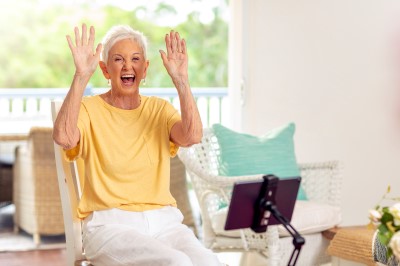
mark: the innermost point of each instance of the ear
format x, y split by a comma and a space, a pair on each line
145, 69
103, 67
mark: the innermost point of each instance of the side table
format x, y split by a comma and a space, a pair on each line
351, 245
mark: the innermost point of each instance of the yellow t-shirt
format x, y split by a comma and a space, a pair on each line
126, 155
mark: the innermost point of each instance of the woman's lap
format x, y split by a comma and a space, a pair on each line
148, 238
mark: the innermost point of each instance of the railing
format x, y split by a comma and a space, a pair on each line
33, 104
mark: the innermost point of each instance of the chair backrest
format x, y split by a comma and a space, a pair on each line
320, 180
70, 192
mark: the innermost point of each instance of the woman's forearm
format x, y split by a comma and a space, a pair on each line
65, 132
192, 126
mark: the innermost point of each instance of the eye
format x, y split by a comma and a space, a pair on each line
135, 58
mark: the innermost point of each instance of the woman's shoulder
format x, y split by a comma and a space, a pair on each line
154, 100
91, 100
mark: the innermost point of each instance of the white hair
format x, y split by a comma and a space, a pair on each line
122, 32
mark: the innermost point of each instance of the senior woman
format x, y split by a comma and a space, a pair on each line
126, 141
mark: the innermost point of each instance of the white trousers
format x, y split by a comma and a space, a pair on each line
157, 237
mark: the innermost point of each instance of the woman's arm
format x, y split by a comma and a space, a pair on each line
189, 130
65, 132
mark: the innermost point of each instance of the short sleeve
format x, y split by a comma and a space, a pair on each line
173, 117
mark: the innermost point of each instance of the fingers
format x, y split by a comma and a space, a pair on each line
91, 36
163, 56
83, 40
174, 43
69, 40
172, 36
168, 43
77, 37
84, 34
98, 50
183, 45
178, 42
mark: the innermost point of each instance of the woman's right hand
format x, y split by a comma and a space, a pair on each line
85, 60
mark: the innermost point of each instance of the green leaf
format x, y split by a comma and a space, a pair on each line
386, 217
389, 252
383, 239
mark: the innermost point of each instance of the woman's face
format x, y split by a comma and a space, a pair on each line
126, 65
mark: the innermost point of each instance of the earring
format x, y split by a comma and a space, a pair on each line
144, 81
109, 82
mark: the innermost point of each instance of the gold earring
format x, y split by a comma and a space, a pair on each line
144, 81
109, 82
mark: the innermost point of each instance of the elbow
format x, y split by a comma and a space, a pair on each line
193, 139
62, 139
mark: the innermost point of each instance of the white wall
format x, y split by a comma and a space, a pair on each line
328, 66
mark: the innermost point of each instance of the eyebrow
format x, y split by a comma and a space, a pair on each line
137, 53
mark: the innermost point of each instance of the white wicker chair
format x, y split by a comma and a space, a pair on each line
321, 181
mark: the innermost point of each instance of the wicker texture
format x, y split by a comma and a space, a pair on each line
379, 252
5, 183
354, 244
321, 181
36, 195
179, 189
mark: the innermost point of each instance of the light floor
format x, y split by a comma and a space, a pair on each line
233, 259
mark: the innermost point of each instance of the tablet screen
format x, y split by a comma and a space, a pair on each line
244, 199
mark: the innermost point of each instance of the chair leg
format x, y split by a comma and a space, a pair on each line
244, 259
252, 259
82, 263
36, 239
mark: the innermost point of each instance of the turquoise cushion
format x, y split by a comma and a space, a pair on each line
244, 154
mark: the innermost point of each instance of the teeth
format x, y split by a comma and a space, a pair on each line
128, 76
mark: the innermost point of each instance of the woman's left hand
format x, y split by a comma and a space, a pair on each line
176, 58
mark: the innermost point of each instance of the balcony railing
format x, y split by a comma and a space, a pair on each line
22, 108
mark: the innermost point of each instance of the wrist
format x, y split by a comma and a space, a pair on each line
180, 80
83, 75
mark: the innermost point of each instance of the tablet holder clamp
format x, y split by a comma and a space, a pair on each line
265, 206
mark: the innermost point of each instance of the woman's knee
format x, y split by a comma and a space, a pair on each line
175, 258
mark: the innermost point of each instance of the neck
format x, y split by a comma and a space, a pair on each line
126, 102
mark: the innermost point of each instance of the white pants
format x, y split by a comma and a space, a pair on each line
157, 237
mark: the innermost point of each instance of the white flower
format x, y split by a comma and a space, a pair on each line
375, 216
395, 211
394, 244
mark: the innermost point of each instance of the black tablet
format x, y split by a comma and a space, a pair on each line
246, 194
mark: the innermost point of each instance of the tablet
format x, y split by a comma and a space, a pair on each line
245, 196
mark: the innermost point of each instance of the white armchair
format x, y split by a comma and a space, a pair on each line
321, 182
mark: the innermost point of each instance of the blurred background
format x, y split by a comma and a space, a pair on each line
34, 51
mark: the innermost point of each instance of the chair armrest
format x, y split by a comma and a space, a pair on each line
322, 181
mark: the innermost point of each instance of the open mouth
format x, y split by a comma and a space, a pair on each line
128, 79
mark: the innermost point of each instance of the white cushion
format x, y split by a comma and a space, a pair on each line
312, 217
308, 218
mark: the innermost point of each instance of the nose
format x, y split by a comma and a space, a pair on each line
127, 65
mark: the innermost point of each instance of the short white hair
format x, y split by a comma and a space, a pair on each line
122, 32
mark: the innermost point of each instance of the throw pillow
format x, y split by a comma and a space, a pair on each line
244, 154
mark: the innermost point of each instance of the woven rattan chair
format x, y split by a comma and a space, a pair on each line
321, 182
35, 188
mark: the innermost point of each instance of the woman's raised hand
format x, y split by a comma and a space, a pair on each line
85, 59
176, 58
